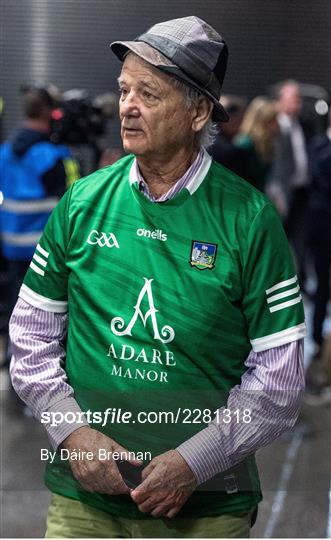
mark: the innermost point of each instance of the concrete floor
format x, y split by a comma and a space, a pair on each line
295, 476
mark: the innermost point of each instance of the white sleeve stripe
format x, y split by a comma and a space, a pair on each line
284, 294
279, 338
41, 302
36, 269
282, 284
40, 260
284, 305
42, 251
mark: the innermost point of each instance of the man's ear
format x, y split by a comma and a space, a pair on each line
202, 114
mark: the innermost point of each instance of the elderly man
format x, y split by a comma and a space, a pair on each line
185, 321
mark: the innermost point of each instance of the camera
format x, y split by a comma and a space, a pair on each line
79, 119
76, 117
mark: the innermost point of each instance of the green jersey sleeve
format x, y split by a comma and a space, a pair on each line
45, 283
272, 302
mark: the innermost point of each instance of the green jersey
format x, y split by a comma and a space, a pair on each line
165, 303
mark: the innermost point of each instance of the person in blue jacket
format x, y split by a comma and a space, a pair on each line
33, 177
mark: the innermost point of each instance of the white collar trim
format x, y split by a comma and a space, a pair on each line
195, 181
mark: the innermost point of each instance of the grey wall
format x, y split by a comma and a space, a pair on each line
66, 42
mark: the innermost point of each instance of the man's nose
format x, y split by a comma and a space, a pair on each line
129, 106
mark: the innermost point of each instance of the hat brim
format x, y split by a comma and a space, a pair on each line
160, 61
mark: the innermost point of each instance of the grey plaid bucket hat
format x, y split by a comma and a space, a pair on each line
188, 48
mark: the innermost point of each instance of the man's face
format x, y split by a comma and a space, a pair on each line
155, 122
290, 100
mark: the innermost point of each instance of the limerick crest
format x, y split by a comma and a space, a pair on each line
203, 255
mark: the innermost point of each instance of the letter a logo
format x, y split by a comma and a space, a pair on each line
117, 323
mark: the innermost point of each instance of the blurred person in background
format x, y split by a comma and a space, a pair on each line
319, 229
290, 171
33, 177
223, 150
256, 139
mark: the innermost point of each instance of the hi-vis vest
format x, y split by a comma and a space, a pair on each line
25, 207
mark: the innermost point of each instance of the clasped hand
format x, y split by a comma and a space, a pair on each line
167, 484
167, 481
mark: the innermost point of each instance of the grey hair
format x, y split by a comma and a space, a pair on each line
207, 135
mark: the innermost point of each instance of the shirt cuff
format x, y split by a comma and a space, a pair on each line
204, 455
62, 419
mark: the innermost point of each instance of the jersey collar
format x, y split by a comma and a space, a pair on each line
191, 180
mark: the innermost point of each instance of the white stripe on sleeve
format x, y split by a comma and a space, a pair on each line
36, 269
42, 302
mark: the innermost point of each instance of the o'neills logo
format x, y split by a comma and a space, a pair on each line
157, 234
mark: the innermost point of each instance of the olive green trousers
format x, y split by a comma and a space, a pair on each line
68, 518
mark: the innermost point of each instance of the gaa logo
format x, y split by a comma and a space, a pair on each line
102, 239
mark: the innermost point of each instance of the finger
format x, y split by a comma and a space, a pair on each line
157, 493
80, 474
148, 470
114, 480
161, 510
155, 500
113, 487
150, 486
102, 478
160, 500
149, 505
173, 512
128, 455
121, 488
139, 496
147, 489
